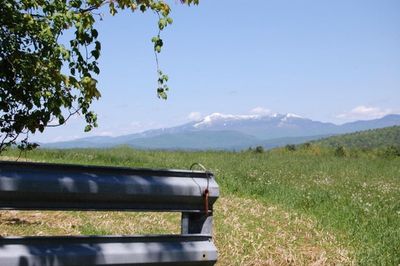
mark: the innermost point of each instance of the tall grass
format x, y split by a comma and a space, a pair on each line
357, 195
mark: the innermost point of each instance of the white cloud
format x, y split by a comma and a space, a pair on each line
365, 112
195, 116
135, 127
260, 111
104, 134
122, 129
63, 138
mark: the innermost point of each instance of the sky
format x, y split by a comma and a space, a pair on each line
334, 61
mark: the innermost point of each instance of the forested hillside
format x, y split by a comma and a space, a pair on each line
374, 138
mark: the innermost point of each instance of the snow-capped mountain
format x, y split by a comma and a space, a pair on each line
227, 131
218, 118
265, 126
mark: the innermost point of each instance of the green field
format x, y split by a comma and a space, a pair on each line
306, 206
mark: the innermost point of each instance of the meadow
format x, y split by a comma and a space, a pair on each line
310, 205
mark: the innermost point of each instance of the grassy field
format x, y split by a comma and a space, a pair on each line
279, 207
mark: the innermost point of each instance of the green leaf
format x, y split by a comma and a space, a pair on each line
96, 54
88, 128
95, 34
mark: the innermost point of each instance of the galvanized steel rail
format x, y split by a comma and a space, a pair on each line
42, 186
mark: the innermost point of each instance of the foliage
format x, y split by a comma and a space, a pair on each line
43, 82
307, 145
368, 139
290, 147
391, 151
259, 149
340, 151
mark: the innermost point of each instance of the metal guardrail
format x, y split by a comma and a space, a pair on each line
41, 186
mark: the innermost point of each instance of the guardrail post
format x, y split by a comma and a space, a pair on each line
196, 223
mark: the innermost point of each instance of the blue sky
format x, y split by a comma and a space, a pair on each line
333, 61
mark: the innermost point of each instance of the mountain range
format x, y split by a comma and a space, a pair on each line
231, 132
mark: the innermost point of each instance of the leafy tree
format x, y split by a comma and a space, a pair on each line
44, 82
391, 151
290, 147
259, 149
368, 139
340, 151
307, 145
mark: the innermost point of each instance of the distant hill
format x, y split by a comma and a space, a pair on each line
373, 138
231, 132
204, 140
279, 142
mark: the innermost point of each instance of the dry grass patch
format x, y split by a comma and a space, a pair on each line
128, 223
247, 232
38, 223
35, 223
251, 233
